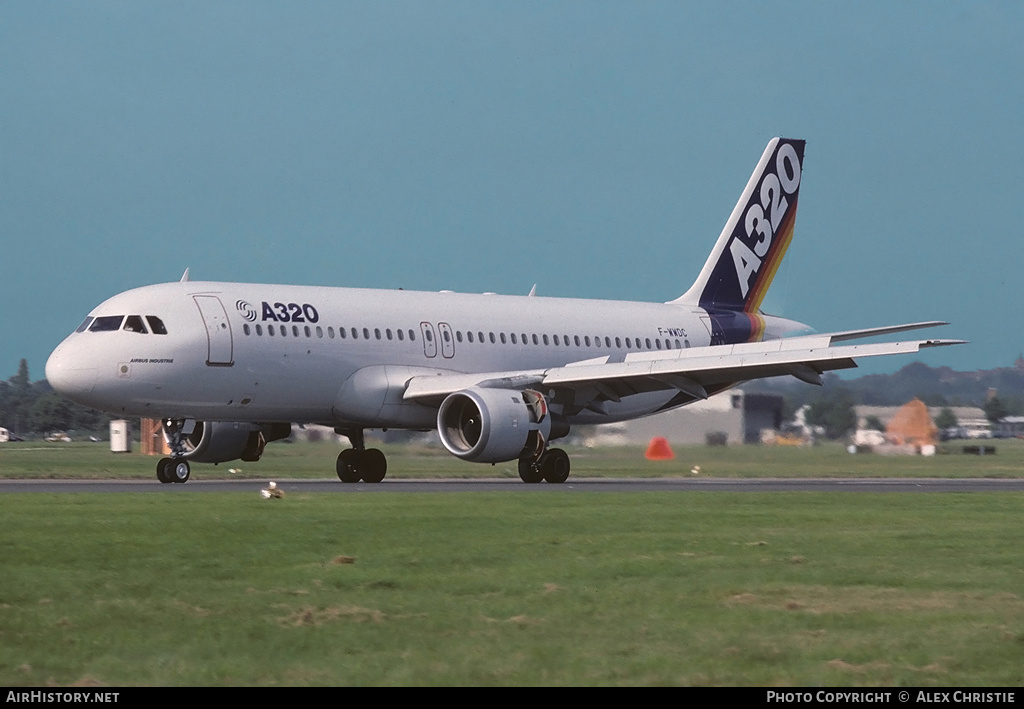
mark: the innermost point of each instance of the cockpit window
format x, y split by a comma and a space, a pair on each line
85, 324
133, 323
107, 323
156, 325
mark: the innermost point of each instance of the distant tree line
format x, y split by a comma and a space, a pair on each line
34, 408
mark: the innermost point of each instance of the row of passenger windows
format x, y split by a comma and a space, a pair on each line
480, 337
128, 323
295, 331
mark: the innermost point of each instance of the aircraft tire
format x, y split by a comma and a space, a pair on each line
162, 471
179, 471
529, 472
374, 465
348, 465
554, 466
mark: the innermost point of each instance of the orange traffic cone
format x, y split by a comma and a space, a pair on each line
659, 450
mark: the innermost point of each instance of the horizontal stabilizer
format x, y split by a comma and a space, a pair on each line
858, 334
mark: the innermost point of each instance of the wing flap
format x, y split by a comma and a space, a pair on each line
731, 363
691, 371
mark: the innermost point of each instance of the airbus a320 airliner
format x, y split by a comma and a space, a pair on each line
229, 367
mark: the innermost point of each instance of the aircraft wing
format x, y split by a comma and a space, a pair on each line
694, 373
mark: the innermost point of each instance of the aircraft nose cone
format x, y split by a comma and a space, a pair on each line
68, 375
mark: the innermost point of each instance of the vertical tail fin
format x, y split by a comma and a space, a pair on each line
749, 250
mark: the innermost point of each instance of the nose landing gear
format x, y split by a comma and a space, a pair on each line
176, 469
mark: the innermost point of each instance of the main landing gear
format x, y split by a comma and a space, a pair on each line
553, 466
359, 462
170, 470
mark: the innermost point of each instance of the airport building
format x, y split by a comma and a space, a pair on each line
732, 417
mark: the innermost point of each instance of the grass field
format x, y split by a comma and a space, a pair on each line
517, 589
316, 460
778, 589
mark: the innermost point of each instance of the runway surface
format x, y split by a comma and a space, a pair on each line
873, 485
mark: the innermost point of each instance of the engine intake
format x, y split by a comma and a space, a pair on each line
494, 425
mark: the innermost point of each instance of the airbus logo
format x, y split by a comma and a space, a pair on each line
248, 312
278, 312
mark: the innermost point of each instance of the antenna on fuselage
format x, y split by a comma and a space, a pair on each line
533, 291
184, 277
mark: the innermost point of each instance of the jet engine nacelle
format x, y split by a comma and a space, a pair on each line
221, 441
494, 425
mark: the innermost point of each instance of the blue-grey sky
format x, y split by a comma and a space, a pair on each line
593, 148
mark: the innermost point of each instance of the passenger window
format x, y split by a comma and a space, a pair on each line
108, 323
156, 325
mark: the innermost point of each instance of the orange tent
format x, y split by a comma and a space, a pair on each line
659, 450
912, 425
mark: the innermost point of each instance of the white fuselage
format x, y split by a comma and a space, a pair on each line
250, 352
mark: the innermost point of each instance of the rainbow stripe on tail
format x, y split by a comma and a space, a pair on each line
747, 255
